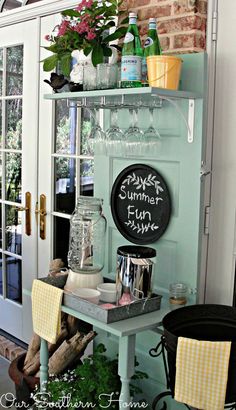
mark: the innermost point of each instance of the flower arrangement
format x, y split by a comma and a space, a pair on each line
84, 28
93, 384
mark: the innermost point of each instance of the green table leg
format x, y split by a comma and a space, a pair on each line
126, 368
43, 364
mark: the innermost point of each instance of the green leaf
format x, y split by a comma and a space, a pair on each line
70, 13
120, 32
125, 20
107, 51
50, 63
108, 25
97, 54
65, 61
87, 50
52, 48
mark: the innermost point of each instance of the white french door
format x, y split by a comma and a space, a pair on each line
18, 173
66, 164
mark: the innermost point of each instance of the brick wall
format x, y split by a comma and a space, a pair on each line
181, 24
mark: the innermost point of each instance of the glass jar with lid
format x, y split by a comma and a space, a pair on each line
87, 236
177, 295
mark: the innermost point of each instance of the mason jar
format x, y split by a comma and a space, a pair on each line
177, 295
87, 236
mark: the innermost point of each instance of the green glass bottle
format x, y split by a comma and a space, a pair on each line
132, 54
152, 45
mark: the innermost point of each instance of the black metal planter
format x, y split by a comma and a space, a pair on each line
201, 322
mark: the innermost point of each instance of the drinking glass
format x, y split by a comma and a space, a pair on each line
107, 76
115, 136
97, 137
89, 77
152, 137
133, 135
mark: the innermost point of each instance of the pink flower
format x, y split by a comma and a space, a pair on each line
81, 27
63, 27
89, 4
99, 17
84, 4
91, 35
47, 37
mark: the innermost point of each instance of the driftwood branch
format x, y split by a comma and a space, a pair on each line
69, 351
30, 368
32, 349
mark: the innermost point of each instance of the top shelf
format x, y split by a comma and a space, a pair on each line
123, 96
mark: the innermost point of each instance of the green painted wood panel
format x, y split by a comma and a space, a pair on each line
179, 162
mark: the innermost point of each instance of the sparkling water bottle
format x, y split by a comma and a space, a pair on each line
152, 46
132, 53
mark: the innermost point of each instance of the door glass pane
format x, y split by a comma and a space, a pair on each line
14, 70
14, 279
14, 124
61, 235
85, 147
13, 230
0, 273
86, 177
11, 4
64, 185
0, 226
32, 1
1, 69
0, 175
13, 177
0, 124
66, 120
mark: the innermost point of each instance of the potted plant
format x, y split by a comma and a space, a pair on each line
85, 28
93, 384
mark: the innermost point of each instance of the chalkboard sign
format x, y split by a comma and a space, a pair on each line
140, 204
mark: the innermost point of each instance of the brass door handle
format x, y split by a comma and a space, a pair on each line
40, 212
27, 209
42, 216
21, 208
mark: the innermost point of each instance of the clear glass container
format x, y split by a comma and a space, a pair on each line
177, 294
87, 236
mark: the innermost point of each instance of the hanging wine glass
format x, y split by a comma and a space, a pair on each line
115, 136
97, 137
133, 135
152, 136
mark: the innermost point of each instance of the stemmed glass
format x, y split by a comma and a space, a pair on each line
152, 136
133, 135
115, 136
97, 137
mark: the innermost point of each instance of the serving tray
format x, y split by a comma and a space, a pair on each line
115, 314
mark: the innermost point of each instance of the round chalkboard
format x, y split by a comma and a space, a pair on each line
140, 204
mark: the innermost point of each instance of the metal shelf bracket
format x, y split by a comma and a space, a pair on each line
190, 120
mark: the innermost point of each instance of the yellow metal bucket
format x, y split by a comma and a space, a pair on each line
164, 71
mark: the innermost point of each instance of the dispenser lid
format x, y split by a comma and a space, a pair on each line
142, 252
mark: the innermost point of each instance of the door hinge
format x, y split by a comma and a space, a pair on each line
214, 25
207, 220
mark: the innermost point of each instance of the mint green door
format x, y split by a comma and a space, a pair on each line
179, 161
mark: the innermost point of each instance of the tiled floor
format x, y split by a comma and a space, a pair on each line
6, 385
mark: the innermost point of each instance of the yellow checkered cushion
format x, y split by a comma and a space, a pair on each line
202, 373
46, 310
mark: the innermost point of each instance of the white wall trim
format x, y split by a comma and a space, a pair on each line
39, 9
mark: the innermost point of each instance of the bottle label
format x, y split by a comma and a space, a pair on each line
152, 26
128, 38
148, 42
132, 20
131, 68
